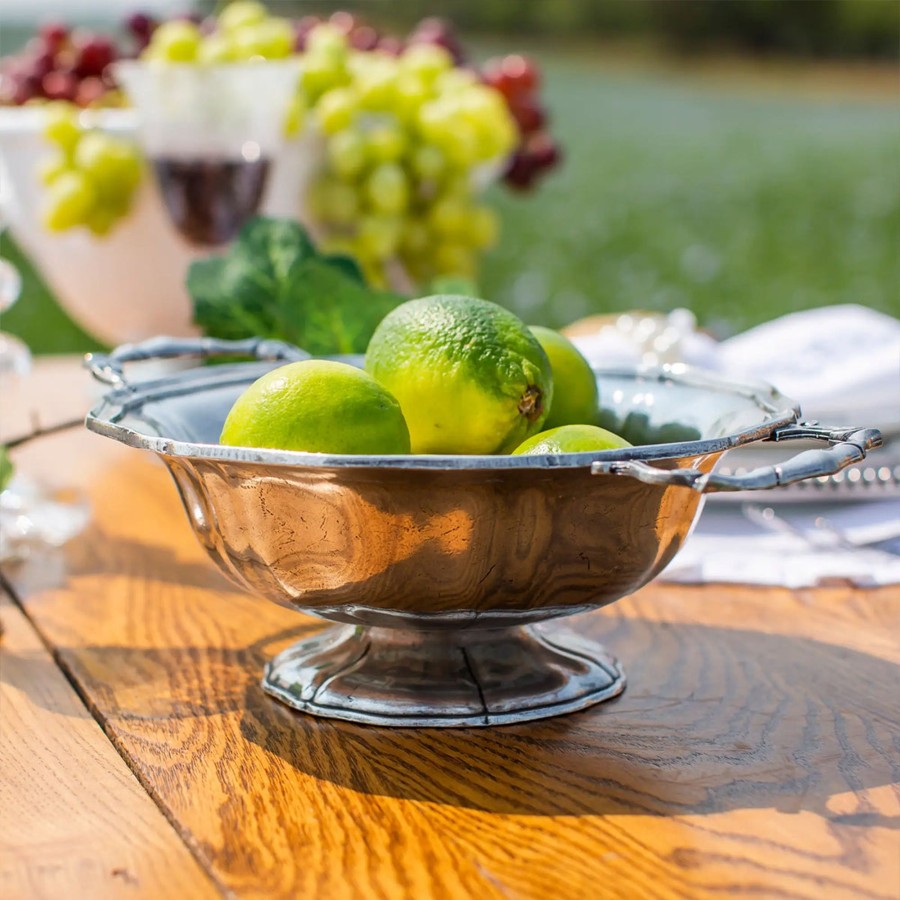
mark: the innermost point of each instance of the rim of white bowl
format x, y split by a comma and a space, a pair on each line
28, 119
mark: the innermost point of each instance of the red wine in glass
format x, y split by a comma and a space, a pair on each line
209, 199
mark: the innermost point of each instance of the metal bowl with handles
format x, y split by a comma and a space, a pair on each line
450, 574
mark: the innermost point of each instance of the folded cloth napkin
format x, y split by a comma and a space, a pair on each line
792, 546
836, 361
842, 364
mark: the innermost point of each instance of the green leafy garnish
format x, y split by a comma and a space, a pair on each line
273, 283
6, 468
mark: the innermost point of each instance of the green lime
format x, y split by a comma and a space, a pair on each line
571, 439
469, 375
576, 400
317, 406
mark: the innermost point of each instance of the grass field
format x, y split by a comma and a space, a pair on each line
737, 201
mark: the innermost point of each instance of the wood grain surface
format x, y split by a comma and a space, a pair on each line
74, 822
754, 751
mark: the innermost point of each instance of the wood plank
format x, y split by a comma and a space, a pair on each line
74, 822
754, 750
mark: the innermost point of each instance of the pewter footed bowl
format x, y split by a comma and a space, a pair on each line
451, 575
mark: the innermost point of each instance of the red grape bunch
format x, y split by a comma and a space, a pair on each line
516, 77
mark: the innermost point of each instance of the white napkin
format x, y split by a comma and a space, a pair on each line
842, 364
798, 547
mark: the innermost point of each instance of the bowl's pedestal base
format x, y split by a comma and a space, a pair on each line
385, 676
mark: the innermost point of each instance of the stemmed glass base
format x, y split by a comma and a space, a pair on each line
395, 677
32, 516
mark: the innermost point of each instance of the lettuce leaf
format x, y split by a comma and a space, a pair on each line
273, 283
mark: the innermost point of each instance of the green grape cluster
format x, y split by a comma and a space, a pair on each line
405, 137
90, 179
243, 31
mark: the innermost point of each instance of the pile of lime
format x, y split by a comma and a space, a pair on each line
443, 375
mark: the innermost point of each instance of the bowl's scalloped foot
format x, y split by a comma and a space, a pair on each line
393, 677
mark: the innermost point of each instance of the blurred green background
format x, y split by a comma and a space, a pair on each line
710, 163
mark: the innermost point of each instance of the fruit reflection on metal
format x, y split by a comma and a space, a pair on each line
446, 572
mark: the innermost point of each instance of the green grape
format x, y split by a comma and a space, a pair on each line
69, 201
485, 111
101, 220
175, 41
454, 259
387, 189
378, 237
215, 49
270, 39
484, 228
454, 81
386, 143
415, 238
61, 126
51, 168
449, 216
336, 109
295, 116
338, 202
461, 144
111, 164
241, 14
373, 271
321, 74
427, 162
436, 122
328, 42
410, 92
377, 88
346, 153
334, 245
427, 61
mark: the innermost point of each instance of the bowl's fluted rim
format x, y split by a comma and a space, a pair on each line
105, 419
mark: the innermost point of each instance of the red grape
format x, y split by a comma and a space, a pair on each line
94, 55
364, 37
390, 45
434, 30
54, 35
302, 28
42, 64
90, 90
543, 150
521, 172
26, 88
511, 75
528, 113
140, 25
344, 21
59, 85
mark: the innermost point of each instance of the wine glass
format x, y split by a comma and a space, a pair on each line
210, 134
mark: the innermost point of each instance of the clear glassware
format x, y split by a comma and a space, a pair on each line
210, 135
33, 517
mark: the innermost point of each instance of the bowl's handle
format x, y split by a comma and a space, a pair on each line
848, 446
109, 367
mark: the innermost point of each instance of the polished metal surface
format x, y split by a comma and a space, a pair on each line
439, 561
846, 447
481, 677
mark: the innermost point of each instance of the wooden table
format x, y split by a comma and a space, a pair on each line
755, 751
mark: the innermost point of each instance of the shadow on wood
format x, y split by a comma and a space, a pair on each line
713, 720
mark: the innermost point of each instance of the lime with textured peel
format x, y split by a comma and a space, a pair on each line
317, 406
469, 375
571, 439
576, 400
